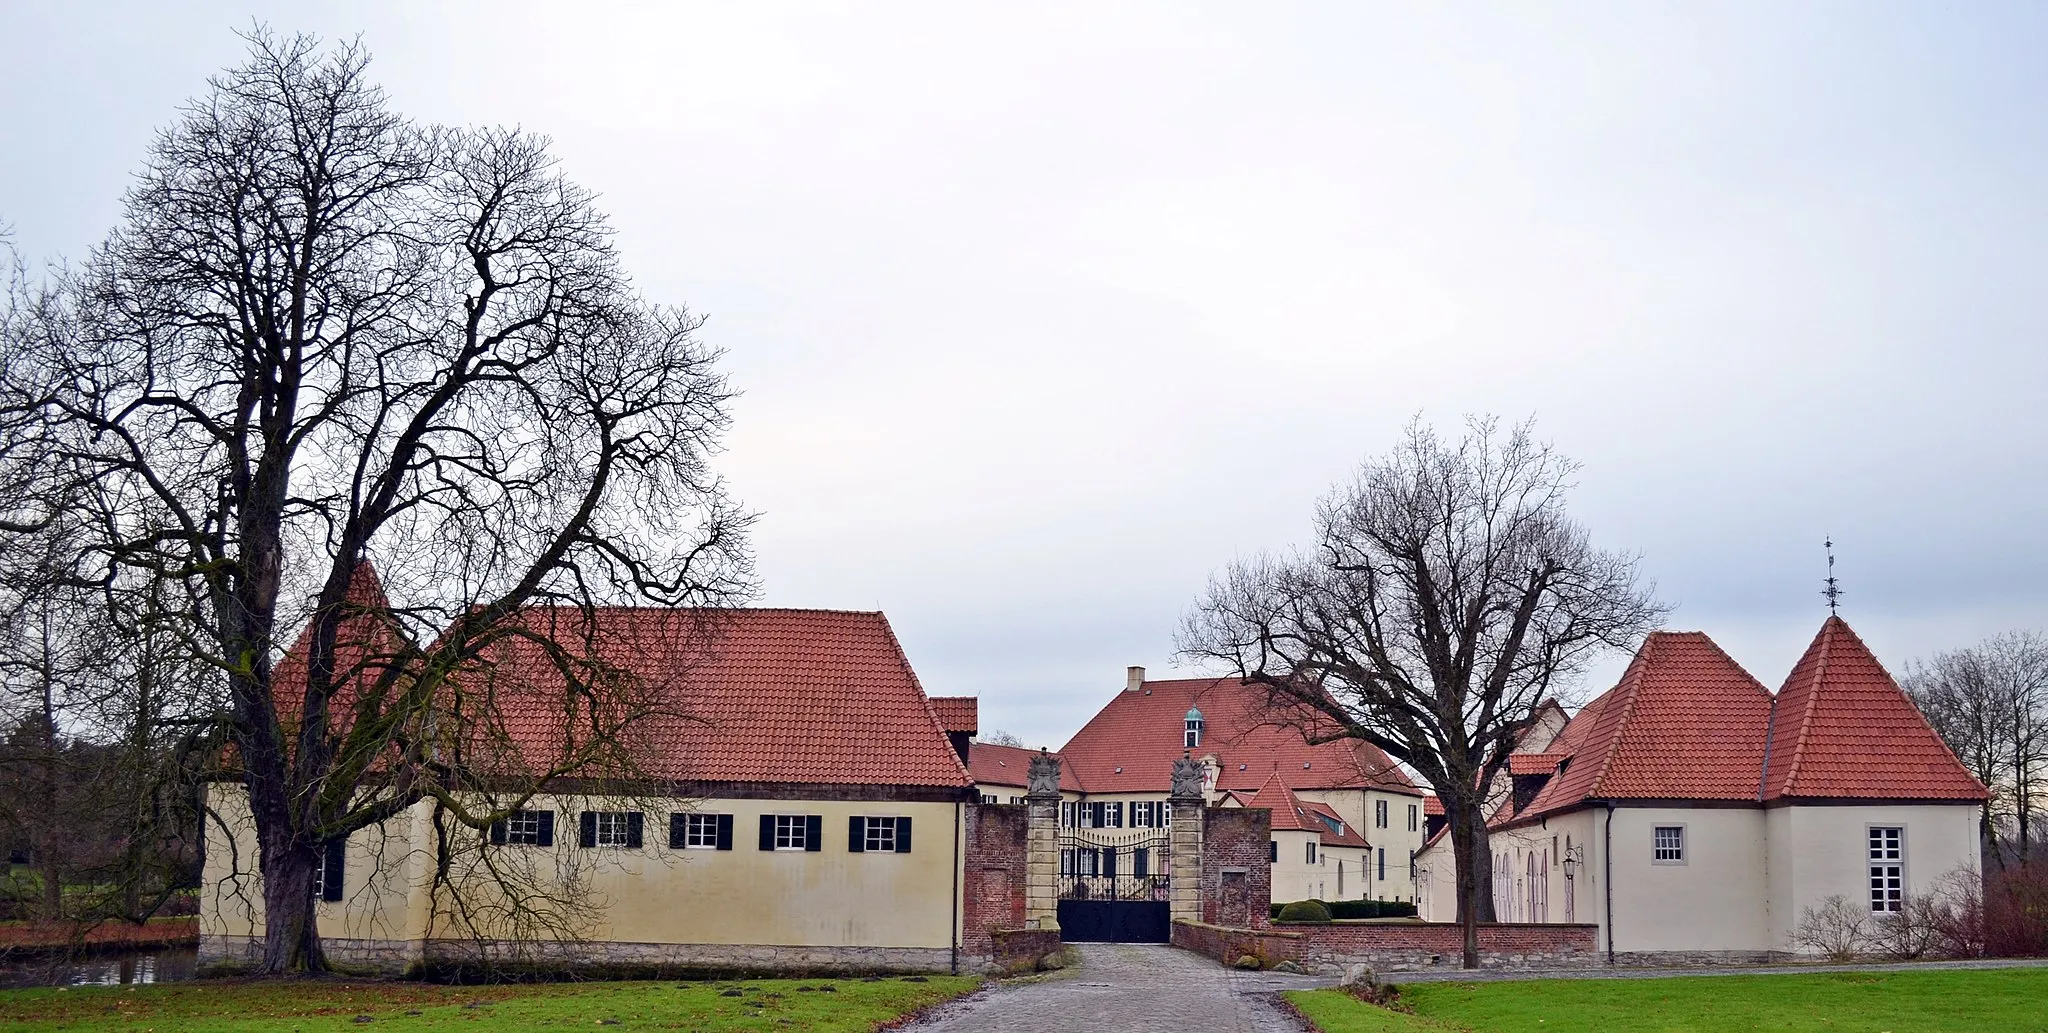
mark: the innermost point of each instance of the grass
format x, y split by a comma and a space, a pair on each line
851, 1005
1983, 1001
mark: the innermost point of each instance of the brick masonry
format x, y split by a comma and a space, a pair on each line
994, 877
1021, 950
1396, 946
639, 959
1237, 867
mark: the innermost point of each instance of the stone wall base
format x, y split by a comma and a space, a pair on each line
464, 959
1697, 959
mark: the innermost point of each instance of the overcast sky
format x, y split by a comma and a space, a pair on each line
1043, 313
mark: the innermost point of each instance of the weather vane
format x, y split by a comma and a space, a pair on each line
1833, 591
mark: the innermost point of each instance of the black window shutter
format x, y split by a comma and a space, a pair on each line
1116, 815
634, 828
856, 835
903, 835
1109, 861
547, 828
676, 824
330, 882
586, 833
814, 832
767, 831
498, 833
1273, 851
725, 832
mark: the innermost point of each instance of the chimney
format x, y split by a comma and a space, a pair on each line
1134, 679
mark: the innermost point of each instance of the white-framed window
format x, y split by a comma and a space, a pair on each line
523, 827
1667, 844
1311, 851
1379, 814
700, 831
790, 832
611, 828
988, 798
1887, 845
1069, 814
1016, 799
1414, 817
880, 836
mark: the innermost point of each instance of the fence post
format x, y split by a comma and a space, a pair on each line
1189, 813
1042, 843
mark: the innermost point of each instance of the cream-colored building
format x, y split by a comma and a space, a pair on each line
1690, 812
822, 828
1120, 759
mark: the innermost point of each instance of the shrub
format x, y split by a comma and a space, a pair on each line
1305, 911
2015, 911
1837, 928
1371, 909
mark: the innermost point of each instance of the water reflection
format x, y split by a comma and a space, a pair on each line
155, 966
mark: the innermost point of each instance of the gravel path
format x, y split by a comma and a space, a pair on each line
1128, 988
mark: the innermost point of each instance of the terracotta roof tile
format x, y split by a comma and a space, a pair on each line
1686, 722
1841, 728
1432, 806
957, 713
1534, 763
1009, 766
1288, 813
1336, 831
1142, 731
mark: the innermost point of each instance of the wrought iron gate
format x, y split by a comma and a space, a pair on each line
1114, 886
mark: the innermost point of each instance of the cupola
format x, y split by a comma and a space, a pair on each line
1194, 729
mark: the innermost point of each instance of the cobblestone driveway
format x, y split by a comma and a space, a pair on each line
1128, 988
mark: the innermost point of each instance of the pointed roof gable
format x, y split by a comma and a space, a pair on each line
368, 641
1288, 814
1130, 745
1686, 722
1842, 728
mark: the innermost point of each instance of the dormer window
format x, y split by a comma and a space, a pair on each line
1194, 729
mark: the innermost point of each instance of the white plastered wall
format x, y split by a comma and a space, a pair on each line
828, 898
1821, 851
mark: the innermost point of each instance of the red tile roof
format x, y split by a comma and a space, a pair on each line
1344, 833
957, 713
1432, 806
367, 643
1288, 813
1009, 766
1686, 722
1141, 733
1841, 727
1534, 763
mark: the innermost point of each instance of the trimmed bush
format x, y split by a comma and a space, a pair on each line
1372, 909
1305, 911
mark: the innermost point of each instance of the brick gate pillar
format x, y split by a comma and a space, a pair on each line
1188, 812
1042, 843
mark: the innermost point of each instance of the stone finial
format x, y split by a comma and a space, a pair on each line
1044, 775
1187, 779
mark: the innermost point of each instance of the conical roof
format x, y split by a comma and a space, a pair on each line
1842, 728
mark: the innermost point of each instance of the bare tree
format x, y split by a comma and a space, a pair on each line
1446, 597
998, 737
326, 335
1990, 704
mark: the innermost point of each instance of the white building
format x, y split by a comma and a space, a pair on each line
1688, 811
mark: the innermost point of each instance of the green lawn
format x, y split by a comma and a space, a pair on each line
826, 1005
1992, 1001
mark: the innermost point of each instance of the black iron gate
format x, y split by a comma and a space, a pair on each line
1114, 885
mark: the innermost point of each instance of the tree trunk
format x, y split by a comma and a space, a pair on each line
1471, 852
291, 938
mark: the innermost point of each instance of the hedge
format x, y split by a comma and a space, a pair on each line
1342, 909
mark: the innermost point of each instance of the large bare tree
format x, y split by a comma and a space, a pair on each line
1989, 702
1446, 596
325, 335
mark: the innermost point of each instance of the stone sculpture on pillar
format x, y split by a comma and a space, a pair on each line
1189, 811
1042, 843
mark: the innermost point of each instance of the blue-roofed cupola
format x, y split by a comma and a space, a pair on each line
1194, 729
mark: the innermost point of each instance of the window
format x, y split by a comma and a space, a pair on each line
1414, 816
1068, 814
1411, 865
1668, 846
792, 832
1311, 851
1379, 814
878, 835
1273, 850
1016, 799
1383, 864
327, 871
609, 828
1887, 869
700, 831
988, 798
530, 828
1193, 737
1104, 816
1141, 862
1148, 814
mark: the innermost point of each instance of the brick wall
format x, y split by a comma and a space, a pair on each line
1237, 869
1020, 950
992, 890
1395, 946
